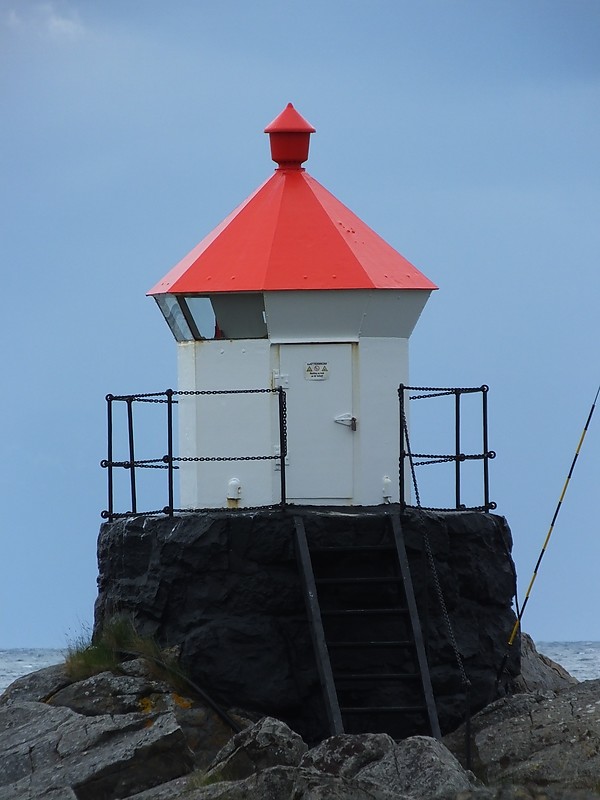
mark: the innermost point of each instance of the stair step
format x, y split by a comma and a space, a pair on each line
356, 548
380, 709
358, 645
377, 676
331, 581
342, 612
395, 614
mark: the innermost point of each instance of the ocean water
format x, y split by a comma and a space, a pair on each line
18, 662
581, 659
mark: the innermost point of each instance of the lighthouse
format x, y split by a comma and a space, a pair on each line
292, 552
291, 298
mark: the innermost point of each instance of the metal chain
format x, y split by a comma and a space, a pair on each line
170, 462
144, 398
432, 565
124, 514
432, 461
190, 392
284, 421
226, 458
453, 509
444, 390
425, 396
404, 424
151, 400
149, 463
157, 397
440, 459
438, 587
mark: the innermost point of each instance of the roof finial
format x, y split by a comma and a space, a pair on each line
290, 138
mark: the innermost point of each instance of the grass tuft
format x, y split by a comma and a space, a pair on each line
118, 639
119, 634
200, 779
84, 660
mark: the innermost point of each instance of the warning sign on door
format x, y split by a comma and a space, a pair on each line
316, 371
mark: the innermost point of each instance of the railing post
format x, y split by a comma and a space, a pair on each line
457, 444
282, 441
131, 453
109, 453
171, 502
486, 477
401, 461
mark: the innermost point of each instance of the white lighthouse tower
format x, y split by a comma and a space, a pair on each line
291, 290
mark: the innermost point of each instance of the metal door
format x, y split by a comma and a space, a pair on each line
318, 381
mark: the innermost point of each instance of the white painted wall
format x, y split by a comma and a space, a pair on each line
226, 425
328, 462
342, 316
382, 365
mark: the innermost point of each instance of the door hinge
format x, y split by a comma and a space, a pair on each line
280, 380
277, 461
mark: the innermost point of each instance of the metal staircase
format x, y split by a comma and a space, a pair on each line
366, 633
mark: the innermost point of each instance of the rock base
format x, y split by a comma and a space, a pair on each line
225, 587
127, 735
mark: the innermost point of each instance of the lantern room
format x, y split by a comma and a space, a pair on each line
291, 290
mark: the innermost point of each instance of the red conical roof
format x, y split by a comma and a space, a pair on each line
291, 233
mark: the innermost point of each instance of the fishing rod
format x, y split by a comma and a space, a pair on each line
521, 611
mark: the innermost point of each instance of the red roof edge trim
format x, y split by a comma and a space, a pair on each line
164, 286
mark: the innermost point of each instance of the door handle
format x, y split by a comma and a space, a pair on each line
346, 419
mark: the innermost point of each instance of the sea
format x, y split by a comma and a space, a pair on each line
581, 659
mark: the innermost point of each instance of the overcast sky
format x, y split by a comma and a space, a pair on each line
465, 132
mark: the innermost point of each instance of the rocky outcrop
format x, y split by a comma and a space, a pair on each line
544, 740
225, 586
268, 743
46, 749
126, 741
97, 736
414, 768
538, 672
364, 767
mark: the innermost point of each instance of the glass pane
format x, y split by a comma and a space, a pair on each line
203, 315
241, 316
172, 313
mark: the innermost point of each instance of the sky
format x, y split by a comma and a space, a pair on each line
465, 132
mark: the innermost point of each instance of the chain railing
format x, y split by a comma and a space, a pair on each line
409, 460
169, 461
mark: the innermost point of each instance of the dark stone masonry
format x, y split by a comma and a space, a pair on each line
225, 587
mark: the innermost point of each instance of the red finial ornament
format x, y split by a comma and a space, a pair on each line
289, 134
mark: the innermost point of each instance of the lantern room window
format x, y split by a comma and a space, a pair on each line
200, 313
240, 316
221, 316
189, 318
171, 311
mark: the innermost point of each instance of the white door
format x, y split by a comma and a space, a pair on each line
318, 381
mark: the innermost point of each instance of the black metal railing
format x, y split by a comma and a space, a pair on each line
169, 461
409, 459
